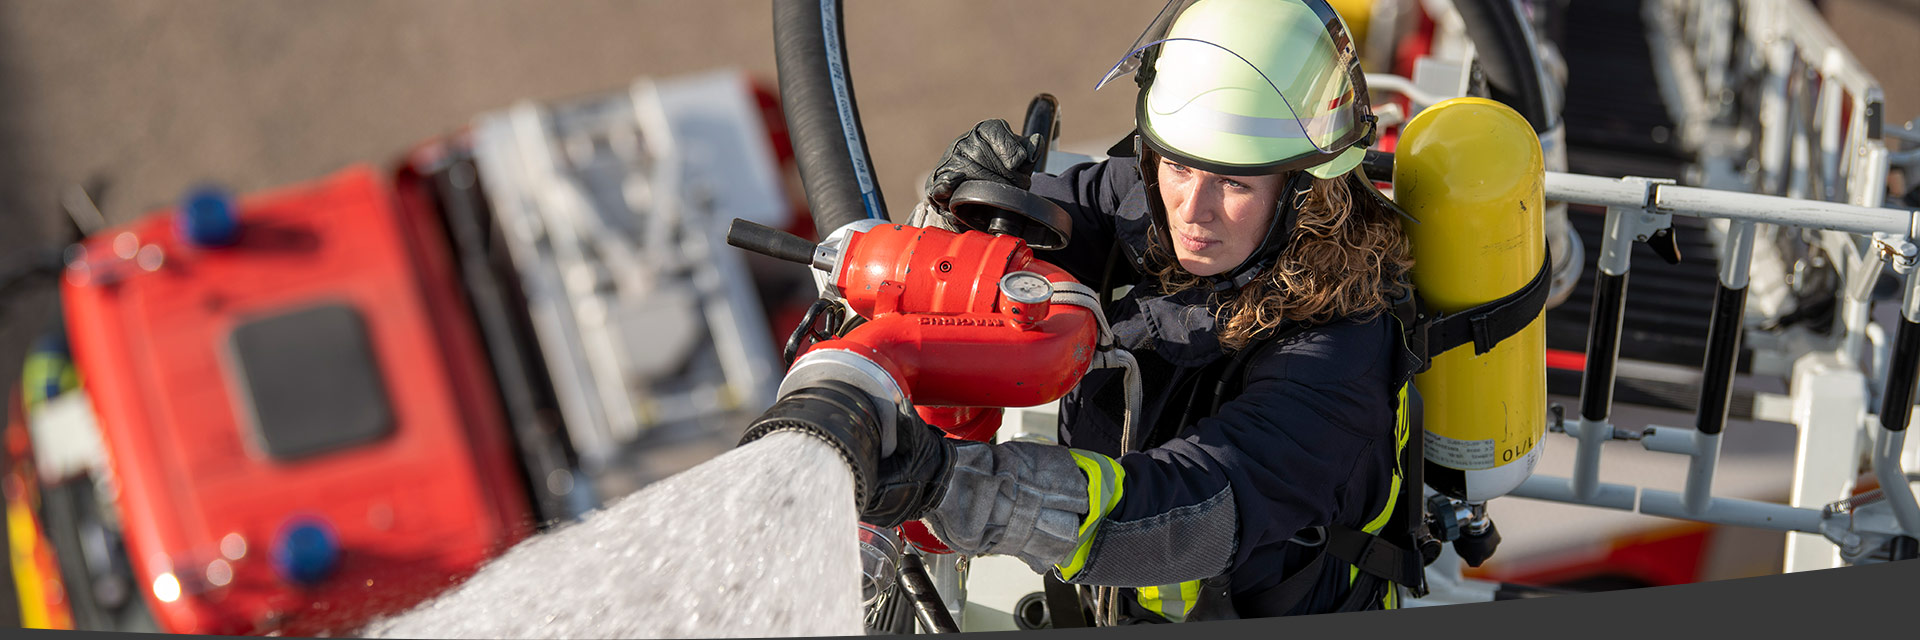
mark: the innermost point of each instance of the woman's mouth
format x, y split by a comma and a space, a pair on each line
1193, 244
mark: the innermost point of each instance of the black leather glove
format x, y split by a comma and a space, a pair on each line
991, 151
912, 481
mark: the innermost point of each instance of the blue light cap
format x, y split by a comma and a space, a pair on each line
306, 551
208, 218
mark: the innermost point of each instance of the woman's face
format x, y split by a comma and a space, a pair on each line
1215, 220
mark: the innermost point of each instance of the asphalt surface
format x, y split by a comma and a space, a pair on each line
142, 99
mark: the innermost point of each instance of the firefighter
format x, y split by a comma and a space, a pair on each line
1264, 267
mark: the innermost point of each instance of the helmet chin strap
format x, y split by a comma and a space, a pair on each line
1279, 234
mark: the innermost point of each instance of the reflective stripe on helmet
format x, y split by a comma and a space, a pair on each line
1265, 127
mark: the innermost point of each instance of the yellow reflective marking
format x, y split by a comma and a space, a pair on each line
1172, 601
1105, 479
1402, 426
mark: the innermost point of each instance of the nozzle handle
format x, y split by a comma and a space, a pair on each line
768, 241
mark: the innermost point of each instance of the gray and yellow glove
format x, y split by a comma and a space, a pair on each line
1021, 499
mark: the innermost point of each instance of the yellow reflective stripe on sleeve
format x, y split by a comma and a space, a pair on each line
1105, 479
1171, 601
1402, 426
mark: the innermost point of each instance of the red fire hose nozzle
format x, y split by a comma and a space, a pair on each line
955, 320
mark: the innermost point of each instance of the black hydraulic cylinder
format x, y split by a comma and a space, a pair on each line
1723, 348
1603, 345
1897, 403
926, 600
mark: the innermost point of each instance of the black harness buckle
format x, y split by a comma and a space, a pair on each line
1415, 326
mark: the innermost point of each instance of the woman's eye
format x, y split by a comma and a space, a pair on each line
1235, 184
1176, 168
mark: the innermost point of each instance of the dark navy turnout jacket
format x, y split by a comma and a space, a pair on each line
1306, 440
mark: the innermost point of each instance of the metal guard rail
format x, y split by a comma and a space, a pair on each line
1636, 209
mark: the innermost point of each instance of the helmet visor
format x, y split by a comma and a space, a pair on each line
1156, 31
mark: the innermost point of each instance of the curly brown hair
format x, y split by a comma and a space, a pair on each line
1346, 260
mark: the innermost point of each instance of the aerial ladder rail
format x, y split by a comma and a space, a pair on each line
1879, 525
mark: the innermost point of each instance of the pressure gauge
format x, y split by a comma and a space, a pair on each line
1026, 287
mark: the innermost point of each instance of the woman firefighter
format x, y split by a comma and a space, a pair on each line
1264, 268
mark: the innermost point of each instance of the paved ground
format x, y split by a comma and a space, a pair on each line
148, 97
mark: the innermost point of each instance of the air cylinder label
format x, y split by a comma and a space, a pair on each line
1462, 454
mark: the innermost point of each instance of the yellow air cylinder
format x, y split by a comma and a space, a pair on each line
1469, 169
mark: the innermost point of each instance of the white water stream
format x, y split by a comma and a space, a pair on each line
760, 541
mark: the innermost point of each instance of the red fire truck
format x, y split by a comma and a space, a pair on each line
294, 396
327, 402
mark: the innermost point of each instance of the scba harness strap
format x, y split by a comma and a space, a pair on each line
1372, 554
1484, 325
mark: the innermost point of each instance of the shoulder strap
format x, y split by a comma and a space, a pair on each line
1106, 277
1282, 598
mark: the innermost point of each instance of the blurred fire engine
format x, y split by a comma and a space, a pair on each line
293, 411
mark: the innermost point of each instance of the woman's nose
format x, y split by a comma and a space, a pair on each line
1192, 206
